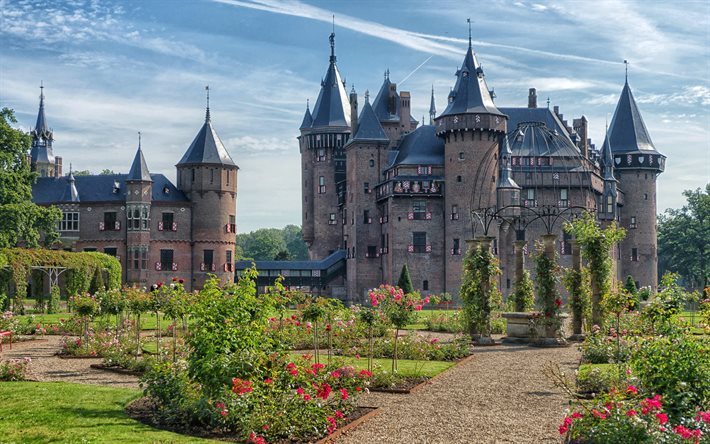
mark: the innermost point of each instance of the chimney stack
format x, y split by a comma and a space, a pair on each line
353, 111
404, 111
532, 98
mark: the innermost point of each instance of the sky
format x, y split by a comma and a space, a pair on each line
112, 69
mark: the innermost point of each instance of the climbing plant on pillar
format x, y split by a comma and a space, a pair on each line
547, 273
578, 284
479, 292
596, 244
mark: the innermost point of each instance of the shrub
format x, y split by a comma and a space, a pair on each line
600, 378
14, 369
623, 417
479, 293
445, 322
677, 367
524, 293
600, 348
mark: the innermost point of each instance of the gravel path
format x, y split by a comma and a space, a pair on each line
46, 366
500, 396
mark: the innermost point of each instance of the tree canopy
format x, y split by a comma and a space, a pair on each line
266, 244
683, 239
20, 218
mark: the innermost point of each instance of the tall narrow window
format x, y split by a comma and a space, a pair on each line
110, 220
232, 223
634, 254
167, 221
419, 242
454, 212
564, 198
144, 258
208, 259
228, 259
425, 285
632, 224
321, 185
529, 197
456, 250
366, 219
366, 187
193, 174
166, 260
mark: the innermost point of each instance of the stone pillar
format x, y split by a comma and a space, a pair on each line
548, 242
518, 249
577, 267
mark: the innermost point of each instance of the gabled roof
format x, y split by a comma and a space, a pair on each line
627, 132
470, 94
139, 168
207, 148
101, 188
420, 147
332, 108
368, 127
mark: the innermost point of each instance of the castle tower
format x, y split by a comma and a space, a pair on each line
363, 229
637, 164
139, 195
208, 176
42, 158
324, 134
471, 126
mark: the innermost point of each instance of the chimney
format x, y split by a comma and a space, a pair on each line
404, 111
58, 166
556, 109
353, 112
392, 99
582, 128
532, 98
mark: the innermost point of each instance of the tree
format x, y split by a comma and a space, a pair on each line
78, 173
262, 245
20, 218
630, 285
405, 281
283, 255
683, 239
294, 242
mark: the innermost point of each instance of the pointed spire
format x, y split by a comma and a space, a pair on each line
70, 193
607, 159
332, 43
307, 118
41, 130
505, 171
206, 148
369, 127
627, 131
139, 169
470, 45
432, 108
626, 69
207, 113
332, 108
471, 93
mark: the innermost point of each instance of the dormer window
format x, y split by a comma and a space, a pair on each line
116, 187
166, 190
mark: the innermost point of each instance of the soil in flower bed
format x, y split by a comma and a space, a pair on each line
116, 369
61, 355
143, 410
404, 386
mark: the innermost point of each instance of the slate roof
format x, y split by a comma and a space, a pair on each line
41, 151
470, 94
70, 193
536, 139
207, 148
139, 169
41, 129
516, 116
100, 188
627, 132
505, 174
420, 147
332, 108
381, 106
307, 119
368, 127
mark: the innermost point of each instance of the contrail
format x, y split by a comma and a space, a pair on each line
415, 70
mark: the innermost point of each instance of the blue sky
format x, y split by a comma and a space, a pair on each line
111, 69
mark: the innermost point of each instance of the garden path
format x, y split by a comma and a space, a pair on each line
46, 366
499, 396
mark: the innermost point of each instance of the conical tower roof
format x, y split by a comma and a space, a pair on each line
505, 176
369, 127
41, 129
307, 118
139, 168
627, 131
470, 94
607, 160
332, 109
207, 148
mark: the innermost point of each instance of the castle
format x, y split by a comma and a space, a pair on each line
156, 229
389, 190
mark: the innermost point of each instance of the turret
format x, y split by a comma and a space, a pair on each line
607, 210
208, 176
42, 158
507, 190
353, 110
139, 196
323, 162
636, 165
432, 108
471, 127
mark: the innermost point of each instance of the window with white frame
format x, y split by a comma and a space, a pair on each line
69, 221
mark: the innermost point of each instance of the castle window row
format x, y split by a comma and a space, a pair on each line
326, 140
532, 161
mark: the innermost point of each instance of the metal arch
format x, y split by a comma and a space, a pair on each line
52, 273
548, 214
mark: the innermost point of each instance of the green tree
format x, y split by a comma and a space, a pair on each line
405, 281
294, 242
261, 245
20, 218
630, 285
283, 255
82, 173
683, 239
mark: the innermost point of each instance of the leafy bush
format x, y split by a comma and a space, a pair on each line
600, 378
445, 322
415, 346
626, 418
677, 367
600, 348
14, 369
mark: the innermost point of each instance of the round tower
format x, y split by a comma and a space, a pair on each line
208, 177
471, 126
637, 164
324, 134
139, 192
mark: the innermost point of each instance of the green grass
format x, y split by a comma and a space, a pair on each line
148, 320
44, 412
406, 367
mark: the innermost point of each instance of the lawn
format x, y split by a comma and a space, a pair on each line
407, 367
43, 412
148, 320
